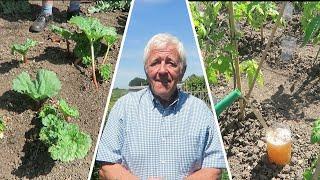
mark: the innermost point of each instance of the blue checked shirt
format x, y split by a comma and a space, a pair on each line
152, 141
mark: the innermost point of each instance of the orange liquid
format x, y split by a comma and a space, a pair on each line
279, 154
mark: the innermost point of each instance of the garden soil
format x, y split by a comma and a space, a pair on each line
22, 155
290, 96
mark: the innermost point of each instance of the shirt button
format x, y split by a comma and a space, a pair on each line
163, 162
163, 139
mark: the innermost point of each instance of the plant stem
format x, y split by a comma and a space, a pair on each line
93, 66
261, 33
24, 58
236, 59
317, 170
264, 54
105, 56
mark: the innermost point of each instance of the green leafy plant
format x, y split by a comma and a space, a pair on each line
68, 110
225, 175
66, 34
250, 67
46, 85
105, 71
195, 83
220, 49
66, 142
256, 13
48, 109
221, 64
110, 39
88, 40
23, 48
110, 5
312, 31
2, 127
94, 31
60, 108
315, 133
310, 21
313, 172
310, 10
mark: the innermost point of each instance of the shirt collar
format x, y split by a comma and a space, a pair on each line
156, 102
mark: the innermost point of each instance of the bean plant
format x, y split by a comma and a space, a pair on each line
218, 50
310, 22
313, 173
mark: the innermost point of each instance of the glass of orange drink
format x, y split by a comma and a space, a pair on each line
279, 144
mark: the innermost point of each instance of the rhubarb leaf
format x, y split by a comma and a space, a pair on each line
45, 85
23, 48
68, 110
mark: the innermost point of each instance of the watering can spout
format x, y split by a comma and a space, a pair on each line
227, 101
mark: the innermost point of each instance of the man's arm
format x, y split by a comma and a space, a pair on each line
205, 174
113, 171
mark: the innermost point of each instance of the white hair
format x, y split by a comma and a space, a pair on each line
162, 40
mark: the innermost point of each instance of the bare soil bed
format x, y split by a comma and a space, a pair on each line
289, 96
22, 155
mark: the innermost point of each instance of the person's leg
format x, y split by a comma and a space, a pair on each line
45, 16
47, 6
74, 5
74, 9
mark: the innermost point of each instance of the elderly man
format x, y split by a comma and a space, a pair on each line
161, 132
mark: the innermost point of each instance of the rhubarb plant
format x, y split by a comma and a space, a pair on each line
65, 140
110, 39
105, 71
67, 110
46, 85
65, 33
23, 48
88, 40
61, 109
110, 5
94, 32
82, 47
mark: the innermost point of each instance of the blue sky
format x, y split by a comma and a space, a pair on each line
148, 18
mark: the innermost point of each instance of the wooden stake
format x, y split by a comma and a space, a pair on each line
236, 59
264, 54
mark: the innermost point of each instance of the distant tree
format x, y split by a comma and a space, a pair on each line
138, 82
195, 83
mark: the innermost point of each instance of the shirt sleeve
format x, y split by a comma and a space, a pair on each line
213, 151
112, 138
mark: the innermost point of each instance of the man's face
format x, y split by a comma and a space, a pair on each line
163, 68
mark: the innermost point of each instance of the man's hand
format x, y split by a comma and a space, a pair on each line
112, 171
205, 174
